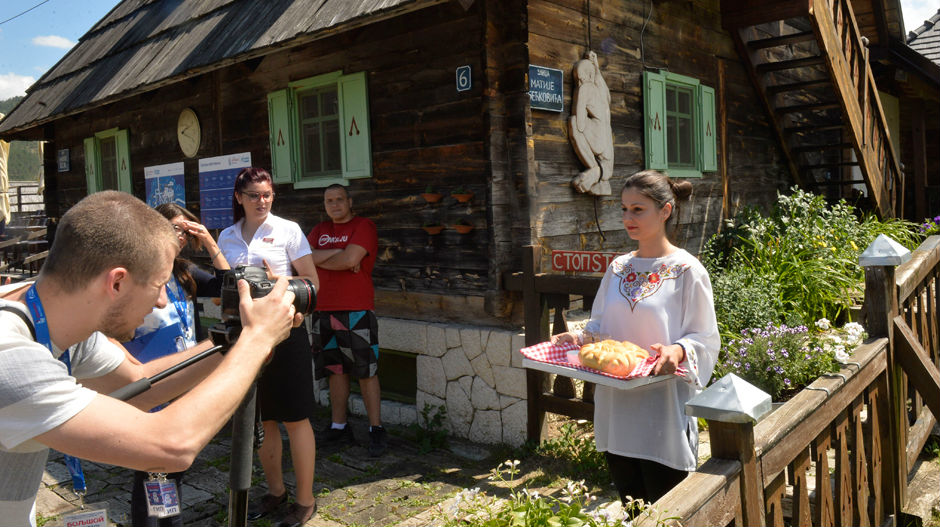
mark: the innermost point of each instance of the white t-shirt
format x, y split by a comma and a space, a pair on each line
665, 300
277, 240
37, 394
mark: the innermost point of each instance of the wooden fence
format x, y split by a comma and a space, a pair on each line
838, 453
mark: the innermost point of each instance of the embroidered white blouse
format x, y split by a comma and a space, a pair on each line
664, 300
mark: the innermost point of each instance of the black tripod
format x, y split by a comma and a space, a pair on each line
242, 436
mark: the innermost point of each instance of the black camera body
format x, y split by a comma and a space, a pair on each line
227, 331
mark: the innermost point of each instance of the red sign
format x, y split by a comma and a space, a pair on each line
581, 261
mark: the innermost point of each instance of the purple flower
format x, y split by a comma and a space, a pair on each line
737, 365
786, 381
747, 366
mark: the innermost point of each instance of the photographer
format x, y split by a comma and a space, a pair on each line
106, 269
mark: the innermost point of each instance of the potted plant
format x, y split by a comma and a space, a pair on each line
430, 195
463, 226
433, 228
461, 194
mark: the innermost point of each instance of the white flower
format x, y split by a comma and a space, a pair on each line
841, 355
854, 328
823, 324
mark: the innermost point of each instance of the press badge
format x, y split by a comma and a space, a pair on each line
171, 499
154, 492
91, 514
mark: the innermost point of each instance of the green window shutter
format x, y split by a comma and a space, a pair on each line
707, 130
654, 114
91, 165
279, 108
123, 161
356, 144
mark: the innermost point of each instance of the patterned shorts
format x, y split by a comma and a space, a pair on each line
345, 342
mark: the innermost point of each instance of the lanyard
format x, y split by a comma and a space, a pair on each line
181, 304
42, 336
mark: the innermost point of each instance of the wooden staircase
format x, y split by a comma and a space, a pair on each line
809, 64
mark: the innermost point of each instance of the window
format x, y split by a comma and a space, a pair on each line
679, 130
319, 131
107, 161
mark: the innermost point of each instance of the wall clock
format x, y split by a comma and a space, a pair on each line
188, 132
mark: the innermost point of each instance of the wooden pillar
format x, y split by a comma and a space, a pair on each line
736, 441
536, 330
919, 140
881, 306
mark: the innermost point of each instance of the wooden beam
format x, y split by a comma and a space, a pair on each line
737, 14
920, 369
790, 64
919, 142
781, 40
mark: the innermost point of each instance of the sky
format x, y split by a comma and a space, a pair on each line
33, 42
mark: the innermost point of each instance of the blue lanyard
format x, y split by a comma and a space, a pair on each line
181, 304
42, 336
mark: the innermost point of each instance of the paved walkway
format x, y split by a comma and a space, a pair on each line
402, 488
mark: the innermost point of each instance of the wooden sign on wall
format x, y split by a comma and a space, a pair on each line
582, 261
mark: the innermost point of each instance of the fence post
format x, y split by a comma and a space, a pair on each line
732, 406
536, 330
881, 306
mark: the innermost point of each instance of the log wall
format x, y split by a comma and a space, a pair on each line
684, 37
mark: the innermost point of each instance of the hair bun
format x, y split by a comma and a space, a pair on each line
681, 189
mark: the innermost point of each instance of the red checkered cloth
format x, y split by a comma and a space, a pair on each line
558, 355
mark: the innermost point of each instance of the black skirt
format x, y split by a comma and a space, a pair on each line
285, 389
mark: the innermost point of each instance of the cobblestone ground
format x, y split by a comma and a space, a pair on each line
404, 487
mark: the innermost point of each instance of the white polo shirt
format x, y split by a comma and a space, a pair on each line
278, 241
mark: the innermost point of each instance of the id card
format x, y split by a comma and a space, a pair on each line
95, 514
171, 500
154, 498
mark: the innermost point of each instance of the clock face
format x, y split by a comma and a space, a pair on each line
188, 132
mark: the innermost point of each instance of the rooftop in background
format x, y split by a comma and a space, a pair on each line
144, 44
926, 38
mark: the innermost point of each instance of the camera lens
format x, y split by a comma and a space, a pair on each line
305, 295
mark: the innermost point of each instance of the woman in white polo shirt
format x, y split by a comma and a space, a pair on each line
285, 388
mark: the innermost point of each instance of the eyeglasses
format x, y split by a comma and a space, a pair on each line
258, 196
180, 231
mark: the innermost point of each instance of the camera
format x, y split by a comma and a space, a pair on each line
305, 299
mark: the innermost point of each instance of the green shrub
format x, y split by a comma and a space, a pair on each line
808, 248
745, 300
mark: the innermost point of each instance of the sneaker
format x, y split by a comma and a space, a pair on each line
298, 515
335, 435
266, 505
378, 441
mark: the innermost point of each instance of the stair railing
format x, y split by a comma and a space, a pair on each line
847, 52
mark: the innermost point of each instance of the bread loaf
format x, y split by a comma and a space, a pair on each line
612, 356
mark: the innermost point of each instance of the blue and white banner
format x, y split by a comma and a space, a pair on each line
216, 184
165, 184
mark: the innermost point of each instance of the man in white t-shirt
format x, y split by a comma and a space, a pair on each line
109, 262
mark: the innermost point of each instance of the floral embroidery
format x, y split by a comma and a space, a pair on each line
637, 285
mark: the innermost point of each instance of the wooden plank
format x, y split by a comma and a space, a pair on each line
708, 496
773, 496
781, 40
917, 436
823, 514
802, 515
859, 464
736, 14
844, 496
921, 371
873, 445
924, 260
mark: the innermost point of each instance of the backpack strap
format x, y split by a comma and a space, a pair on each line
20, 313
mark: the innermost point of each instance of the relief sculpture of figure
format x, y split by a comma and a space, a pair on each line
589, 128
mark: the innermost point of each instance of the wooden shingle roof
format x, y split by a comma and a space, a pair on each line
926, 38
144, 44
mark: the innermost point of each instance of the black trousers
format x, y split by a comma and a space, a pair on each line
641, 478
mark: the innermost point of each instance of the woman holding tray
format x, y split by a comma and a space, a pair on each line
660, 298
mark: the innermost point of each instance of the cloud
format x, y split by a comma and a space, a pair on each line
53, 41
916, 12
12, 85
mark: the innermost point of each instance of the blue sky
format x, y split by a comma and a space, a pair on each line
32, 43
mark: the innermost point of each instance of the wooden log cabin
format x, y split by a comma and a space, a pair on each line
390, 97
